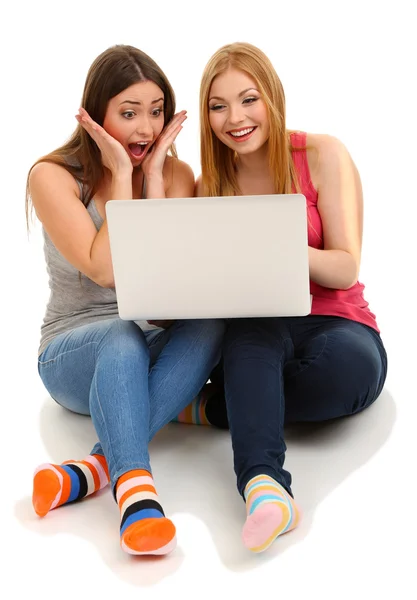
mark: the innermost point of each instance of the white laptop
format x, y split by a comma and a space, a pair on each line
218, 257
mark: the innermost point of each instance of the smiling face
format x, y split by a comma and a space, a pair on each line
135, 118
237, 113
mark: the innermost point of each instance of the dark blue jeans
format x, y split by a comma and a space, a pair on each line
294, 369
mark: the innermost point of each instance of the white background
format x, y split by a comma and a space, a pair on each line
348, 69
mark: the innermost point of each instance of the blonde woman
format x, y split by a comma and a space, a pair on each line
327, 365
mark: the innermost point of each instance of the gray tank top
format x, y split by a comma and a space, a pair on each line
75, 301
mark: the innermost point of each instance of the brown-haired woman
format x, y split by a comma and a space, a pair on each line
131, 378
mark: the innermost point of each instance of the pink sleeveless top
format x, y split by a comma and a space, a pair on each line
350, 303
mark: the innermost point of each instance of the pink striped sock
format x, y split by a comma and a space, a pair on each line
271, 511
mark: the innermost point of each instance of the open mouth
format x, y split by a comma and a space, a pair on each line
241, 135
138, 149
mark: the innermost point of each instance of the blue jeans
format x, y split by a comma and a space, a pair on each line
294, 369
130, 388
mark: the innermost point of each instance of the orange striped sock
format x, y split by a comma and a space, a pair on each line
55, 485
208, 408
144, 529
195, 413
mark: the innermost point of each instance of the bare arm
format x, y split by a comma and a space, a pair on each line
156, 163
181, 186
121, 189
340, 205
55, 196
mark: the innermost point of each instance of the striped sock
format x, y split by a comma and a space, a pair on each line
55, 485
144, 529
208, 408
271, 511
194, 413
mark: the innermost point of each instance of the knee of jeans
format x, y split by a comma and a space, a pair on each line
357, 372
124, 338
371, 379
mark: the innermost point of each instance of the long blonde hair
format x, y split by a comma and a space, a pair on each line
114, 70
218, 172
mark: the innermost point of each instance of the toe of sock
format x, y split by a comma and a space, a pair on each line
45, 489
262, 527
150, 536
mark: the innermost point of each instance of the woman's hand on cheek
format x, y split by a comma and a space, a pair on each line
153, 163
113, 155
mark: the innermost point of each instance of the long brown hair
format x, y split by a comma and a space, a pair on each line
218, 161
116, 69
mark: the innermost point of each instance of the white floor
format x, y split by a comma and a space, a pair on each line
354, 480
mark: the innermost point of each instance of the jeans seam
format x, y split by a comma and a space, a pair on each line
104, 424
189, 348
42, 363
156, 339
311, 362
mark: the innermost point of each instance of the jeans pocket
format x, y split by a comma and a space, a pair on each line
41, 359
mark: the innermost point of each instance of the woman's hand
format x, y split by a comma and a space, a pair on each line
113, 155
153, 162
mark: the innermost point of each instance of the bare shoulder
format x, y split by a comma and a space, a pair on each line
178, 177
325, 143
174, 167
48, 176
199, 186
324, 153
